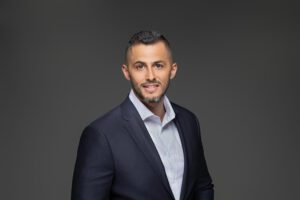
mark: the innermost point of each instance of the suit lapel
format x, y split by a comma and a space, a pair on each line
179, 124
186, 131
137, 129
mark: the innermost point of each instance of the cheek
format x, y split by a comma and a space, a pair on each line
165, 78
135, 80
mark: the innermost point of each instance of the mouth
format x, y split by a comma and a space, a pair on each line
150, 87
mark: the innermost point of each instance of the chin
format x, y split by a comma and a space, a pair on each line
152, 100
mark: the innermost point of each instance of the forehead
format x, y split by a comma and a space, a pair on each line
149, 52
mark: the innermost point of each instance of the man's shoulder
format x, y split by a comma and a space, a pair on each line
178, 109
108, 117
112, 117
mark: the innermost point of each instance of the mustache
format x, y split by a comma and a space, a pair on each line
150, 82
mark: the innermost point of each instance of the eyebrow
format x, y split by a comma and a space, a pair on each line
138, 62
141, 62
159, 61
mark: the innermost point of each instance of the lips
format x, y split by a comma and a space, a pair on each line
150, 87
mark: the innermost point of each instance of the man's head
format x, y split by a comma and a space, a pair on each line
149, 65
146, 38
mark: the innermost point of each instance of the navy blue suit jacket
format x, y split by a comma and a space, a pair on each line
117, 159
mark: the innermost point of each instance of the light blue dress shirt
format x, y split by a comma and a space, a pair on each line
166, 139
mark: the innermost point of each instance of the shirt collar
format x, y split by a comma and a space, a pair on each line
146, 113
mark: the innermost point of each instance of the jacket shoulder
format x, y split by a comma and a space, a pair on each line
108, 119
182, 110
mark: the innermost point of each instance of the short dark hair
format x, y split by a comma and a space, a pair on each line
146, 37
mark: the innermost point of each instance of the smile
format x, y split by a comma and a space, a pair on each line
150, 87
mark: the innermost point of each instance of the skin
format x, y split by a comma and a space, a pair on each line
149, 68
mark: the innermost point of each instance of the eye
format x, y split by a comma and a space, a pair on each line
139, 67
158, 65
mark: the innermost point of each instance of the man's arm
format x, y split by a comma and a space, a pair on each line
204, 188
93, 172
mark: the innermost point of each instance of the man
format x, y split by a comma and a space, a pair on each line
146, 148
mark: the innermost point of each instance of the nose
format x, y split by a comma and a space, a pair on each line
150, 74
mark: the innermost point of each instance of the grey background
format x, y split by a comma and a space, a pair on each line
239, 73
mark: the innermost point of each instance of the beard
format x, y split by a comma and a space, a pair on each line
147, 100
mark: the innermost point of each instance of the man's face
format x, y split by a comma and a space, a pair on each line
149, 69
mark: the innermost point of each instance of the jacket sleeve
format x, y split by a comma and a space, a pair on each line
93, 173
204, 187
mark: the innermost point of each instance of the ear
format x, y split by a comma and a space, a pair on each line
125, 72
173, 70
